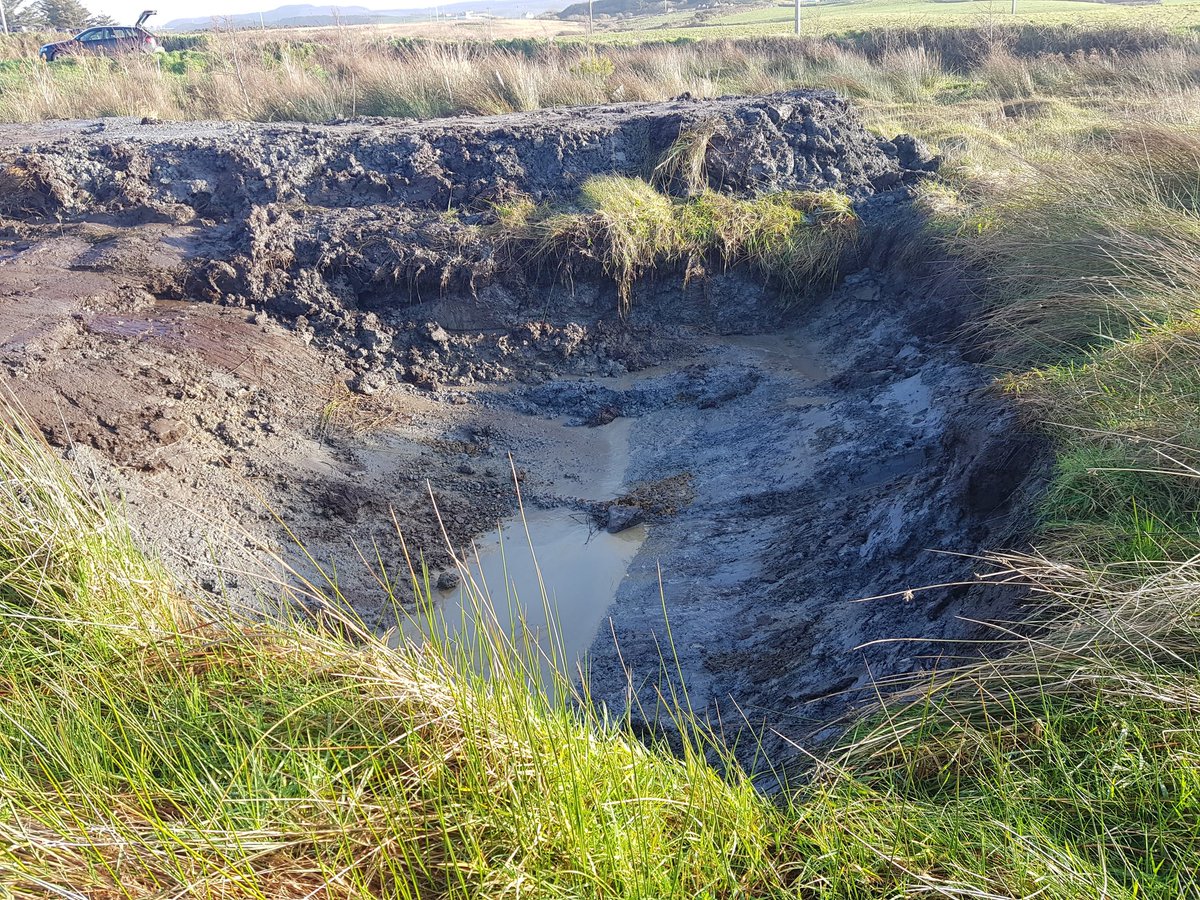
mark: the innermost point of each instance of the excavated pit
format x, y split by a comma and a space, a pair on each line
234, 326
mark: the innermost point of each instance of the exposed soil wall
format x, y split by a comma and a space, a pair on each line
222, 323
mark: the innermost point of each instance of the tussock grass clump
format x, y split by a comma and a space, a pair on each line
795, 238
1127, 482
1084, 731
627, 227
1089, 245
685, 162
1086, 252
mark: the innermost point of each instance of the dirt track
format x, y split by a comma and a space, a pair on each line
227, 323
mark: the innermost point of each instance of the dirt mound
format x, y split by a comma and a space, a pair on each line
27, 189
800, 140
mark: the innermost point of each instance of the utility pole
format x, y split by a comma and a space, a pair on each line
3, 17
798, 16
590, 2
1014, 2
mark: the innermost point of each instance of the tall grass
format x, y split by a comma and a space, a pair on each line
155, 747
1093, 256
149, 745
350, 72
1082, 736
1083, 235
1071, 197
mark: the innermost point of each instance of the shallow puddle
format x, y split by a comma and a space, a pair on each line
551, 577
223, 338
132, 327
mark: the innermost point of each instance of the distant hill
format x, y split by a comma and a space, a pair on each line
304, 14
628, 8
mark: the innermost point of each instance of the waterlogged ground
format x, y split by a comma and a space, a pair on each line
313, 381
772, 481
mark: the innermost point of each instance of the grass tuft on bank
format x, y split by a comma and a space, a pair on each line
627, 228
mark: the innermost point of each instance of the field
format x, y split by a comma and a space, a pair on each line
820, 19
1011, 367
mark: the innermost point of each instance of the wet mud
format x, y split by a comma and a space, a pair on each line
262, 337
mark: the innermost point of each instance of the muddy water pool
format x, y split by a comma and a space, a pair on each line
549, 576
552, 574
547, 573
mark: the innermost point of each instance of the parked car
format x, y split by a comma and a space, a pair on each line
106, 40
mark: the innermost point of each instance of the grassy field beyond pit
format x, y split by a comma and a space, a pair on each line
822, 19
295, 76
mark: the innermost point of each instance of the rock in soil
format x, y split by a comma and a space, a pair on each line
623, 517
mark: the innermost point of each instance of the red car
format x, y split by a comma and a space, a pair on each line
106, 40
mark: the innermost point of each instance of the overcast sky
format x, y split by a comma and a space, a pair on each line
127, 11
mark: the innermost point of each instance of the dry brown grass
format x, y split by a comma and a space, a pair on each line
21, 46
25, 191
322, 74
350, 413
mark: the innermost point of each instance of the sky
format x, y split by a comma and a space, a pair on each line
127, 11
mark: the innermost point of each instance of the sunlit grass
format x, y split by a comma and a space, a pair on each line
626, 227
821, 19
149, 744
1080, 228
152, 746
